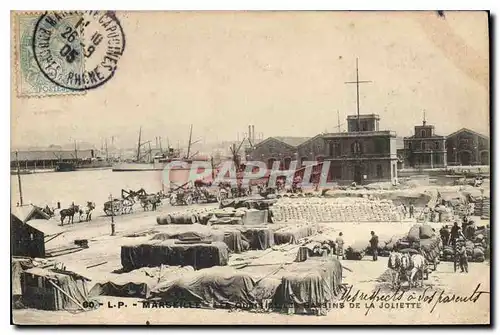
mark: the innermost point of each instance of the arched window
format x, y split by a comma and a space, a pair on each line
356, 148
270, 163
288, 160
422, 133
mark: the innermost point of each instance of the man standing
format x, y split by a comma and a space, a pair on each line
374, 245
339, 242
412, 210
445, 234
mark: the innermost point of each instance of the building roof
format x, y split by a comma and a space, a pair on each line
41, 155
363, 116
30, 212
47, 227
466, 130
293, 141
361, 134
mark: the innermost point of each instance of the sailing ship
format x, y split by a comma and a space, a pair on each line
178, 172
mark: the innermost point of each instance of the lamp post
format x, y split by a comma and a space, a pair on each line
112, 215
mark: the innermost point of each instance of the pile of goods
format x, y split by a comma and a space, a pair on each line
476, 247
356, 251
422, 237
213, 216
335, 210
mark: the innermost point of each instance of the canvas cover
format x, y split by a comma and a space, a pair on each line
48, 296
191, 235
309, 286
258, 238
214, 287
155, 253
294, 233
137, 283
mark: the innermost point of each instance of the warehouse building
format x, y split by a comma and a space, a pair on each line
467, 147
45, 159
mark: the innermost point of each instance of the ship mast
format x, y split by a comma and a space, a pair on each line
139, 145
189, 144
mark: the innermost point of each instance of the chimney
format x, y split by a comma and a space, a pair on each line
250, 132
253, 133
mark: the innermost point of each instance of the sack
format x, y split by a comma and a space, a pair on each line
414, 234
425, 231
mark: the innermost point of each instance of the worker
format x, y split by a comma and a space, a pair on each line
426, 213
461, 256
454, 234
374, 245
339, 242
445, 234
412, 210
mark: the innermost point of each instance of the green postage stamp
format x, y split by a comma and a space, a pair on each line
30, 81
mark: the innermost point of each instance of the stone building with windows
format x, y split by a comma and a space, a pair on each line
425, 149
362, 156
281, 149
467, 147
365, 156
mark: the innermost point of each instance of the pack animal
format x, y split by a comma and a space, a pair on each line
87, 211
69, 213
150, 200
413, 265
394, 263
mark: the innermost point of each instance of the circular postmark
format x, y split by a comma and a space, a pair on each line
78, 50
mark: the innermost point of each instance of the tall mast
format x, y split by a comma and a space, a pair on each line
19, 180
106, 142
189, 144
357, 82
139, 145
338, 121
76, 153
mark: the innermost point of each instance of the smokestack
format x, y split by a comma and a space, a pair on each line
253, 133
250, 132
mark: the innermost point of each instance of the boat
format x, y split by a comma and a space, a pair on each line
178, 172
65, 167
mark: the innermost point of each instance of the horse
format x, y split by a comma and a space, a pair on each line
49, 211
69, 213
394, 264
150, 199
87, 211
411, 265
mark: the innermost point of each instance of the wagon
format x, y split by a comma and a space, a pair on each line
114, 207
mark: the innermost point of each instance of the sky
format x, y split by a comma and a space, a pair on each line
283, 72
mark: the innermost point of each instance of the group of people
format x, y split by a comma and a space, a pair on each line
339, 245
457, 239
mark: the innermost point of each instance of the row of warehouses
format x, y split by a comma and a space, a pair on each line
367, 154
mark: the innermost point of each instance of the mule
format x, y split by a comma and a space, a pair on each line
127, 206
413, 265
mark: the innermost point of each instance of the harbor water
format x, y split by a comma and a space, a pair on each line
81, 186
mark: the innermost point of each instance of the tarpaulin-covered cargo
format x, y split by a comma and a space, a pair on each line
137, 283
258, 238
414, 234
426, 231
356, 251
53, 289
155, 253
215, 287
214, 236
235, 242
294, 234
309, 287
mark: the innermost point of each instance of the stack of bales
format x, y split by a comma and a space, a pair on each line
356, 251
423, 237
477, 248
189, 216
335, 210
